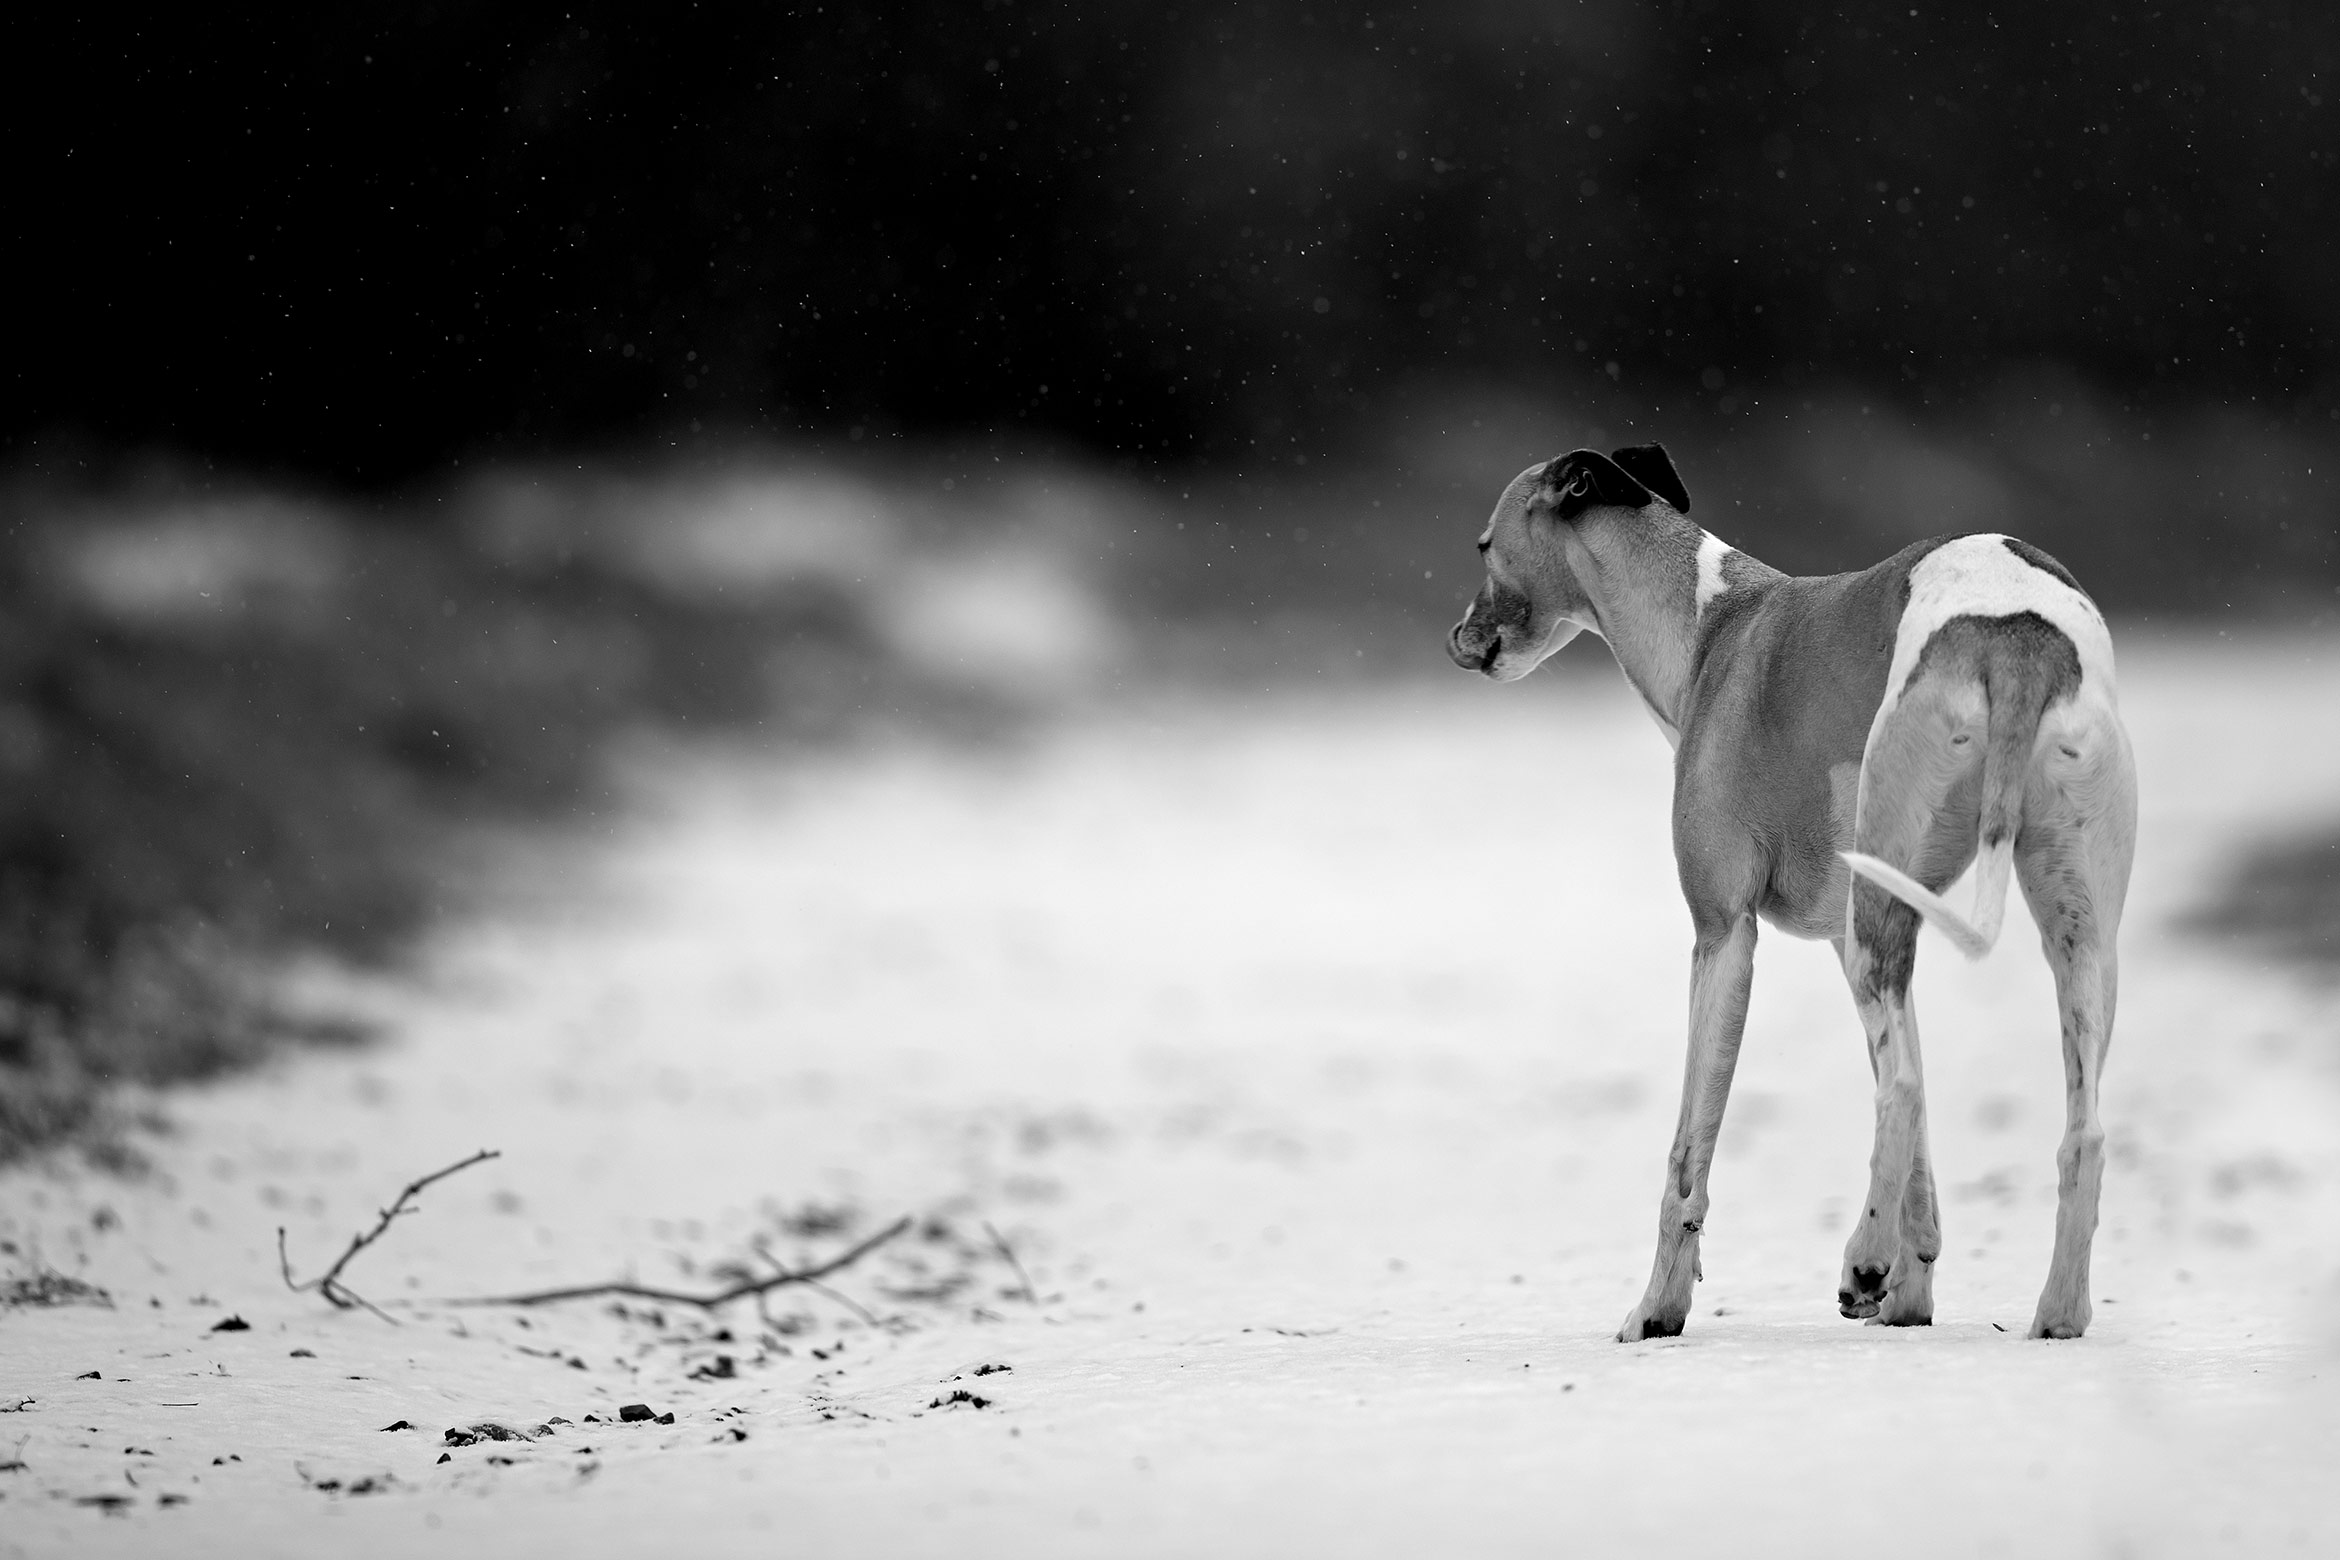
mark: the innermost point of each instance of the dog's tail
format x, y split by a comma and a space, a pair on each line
2015, 699
1973, 938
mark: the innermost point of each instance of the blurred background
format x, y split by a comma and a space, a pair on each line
405, 402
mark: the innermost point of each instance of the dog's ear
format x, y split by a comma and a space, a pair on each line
1649, 465
1584, 479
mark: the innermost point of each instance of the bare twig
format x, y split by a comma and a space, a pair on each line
722, 1297
868, 1317
816, 1286
329, 1283
1030, 1294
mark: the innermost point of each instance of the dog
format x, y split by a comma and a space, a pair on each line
1844, 746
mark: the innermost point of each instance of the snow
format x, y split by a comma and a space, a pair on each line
1317, 1054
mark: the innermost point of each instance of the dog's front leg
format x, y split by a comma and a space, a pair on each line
1721, 974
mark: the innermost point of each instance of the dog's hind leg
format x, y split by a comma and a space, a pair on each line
2073, 863
1888, 1274
1721, 974
1900, 1291
1916, 814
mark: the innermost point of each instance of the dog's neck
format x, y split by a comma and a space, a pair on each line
1651, 578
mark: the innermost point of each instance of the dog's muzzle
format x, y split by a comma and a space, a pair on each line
1470, 651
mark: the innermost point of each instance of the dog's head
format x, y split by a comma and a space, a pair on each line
1533, 601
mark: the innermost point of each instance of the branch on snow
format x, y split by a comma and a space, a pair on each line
329, 1283
810, 1277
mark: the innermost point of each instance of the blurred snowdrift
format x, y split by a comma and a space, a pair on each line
204, 561
239, 724
997, 591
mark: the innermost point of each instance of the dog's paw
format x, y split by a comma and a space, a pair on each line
1891, 1315
1908, 1301
2064, 1308
1860, 1293
1644, 1323
2061, 1320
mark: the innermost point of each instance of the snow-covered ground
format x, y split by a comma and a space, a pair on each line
1316, 1055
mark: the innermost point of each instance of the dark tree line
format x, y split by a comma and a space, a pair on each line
365, 242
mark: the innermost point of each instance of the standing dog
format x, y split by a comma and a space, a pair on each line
1843, 746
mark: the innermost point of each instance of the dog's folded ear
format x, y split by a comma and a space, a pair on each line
1649, 465
1586, 479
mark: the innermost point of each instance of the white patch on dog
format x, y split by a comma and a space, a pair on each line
1982, 575
1712, 550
